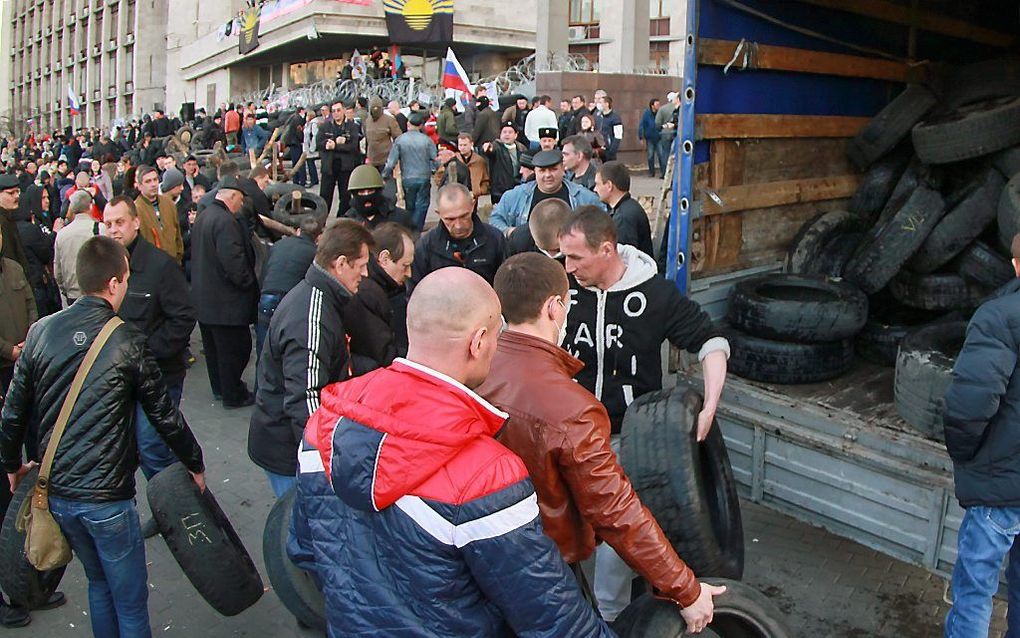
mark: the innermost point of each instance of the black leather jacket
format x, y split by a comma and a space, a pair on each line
97, 456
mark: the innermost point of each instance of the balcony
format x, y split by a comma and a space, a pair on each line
96, 95
129, 87
111, 45
60, 22
36, 75
70, 61
83, 55
96, 50
111, 91
129, 38
49, 31
38, 37
46, 70
12, 86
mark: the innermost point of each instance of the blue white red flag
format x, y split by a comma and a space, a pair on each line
72, 102
454, 76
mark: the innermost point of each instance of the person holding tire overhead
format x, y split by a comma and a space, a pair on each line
980, 421
621, 313
422, 524
92, 484
562, 432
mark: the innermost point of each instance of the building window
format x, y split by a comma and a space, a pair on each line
589, 52
583, 12
658, 54
658, 27
129, 64
130, 27
659, 8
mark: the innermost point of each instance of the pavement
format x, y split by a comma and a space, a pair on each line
824, 585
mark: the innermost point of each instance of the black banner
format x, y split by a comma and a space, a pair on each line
419, 21
248, 38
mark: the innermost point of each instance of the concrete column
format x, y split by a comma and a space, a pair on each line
551, 33
625, 26
678, 27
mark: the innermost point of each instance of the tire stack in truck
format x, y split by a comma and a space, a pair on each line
926, 237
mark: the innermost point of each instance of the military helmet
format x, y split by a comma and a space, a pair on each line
363, 177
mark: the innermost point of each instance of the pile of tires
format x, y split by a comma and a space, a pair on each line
924, 369
793, 329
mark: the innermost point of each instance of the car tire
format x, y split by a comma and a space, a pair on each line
293, 586
981, 264
924, 367
1007, 162
970, 131
939, 291
787, 363
740, 612
889, 246
983, 81
813, 238
877, 185
879, 340
275, 190
1009, 212
311, 204
688, 486
798, 308
203, 541
24, 585
892, 124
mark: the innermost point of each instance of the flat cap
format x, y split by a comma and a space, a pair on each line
8, 180
548, 159
417, 118
230, 182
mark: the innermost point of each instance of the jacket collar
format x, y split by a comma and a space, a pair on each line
626, 196
91, 301
554, 355
640, 268
1008, 288
317, 277
477, 231
380, 276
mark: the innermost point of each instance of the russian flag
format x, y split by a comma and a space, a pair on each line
454, 76
72, 102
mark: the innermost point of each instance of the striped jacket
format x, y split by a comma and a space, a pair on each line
420, 524
305, 350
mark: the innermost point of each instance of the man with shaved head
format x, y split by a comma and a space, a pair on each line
437, 525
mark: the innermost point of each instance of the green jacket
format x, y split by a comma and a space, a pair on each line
17, 309
446, 125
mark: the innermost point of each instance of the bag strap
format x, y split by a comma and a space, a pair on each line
72, 397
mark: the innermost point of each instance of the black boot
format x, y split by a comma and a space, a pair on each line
12, 617
56, 599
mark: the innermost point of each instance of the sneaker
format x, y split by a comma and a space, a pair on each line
149, 528
13, 617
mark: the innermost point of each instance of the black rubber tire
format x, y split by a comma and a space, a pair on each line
882, 254
892, 124
275, 190
969, 212
1009, 212
311, 204
1007, 162
787, 363
924, 367
880, 339
836, 255
973, 130
982, 265
798, 308
982, 81
939, 291
293, 585
810, 242
203, 541
24, 584
688, 486
878, 184
740, 612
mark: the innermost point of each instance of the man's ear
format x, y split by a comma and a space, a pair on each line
385, 254
1016, 266
475, 345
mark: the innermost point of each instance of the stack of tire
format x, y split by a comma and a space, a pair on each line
792, 329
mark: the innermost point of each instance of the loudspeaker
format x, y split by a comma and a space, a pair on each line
187, 112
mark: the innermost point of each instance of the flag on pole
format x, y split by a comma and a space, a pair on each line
454, 76
72, 102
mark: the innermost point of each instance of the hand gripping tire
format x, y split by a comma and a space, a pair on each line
1009, 212
293, 585
24, 584
311, 204
203, 541
798, 308
981, 264
892, 124
973, 130
808, 247
740, 612
889, 246
787, 363
688, 486
924, 368
940, 291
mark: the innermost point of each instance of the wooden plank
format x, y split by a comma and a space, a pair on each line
728, 199
716, 126
719, 238
767, 56
926, 20
774, 160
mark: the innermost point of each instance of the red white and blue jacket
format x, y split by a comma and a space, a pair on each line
423, 525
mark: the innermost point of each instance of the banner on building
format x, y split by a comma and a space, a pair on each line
272, 9
419, 21
248, 38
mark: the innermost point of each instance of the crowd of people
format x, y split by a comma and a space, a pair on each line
478, 517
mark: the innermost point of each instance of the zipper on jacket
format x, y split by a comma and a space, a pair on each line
600, 339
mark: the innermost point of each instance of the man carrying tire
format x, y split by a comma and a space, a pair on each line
981, 415
621, 313
562, 433
416, 508
92, 485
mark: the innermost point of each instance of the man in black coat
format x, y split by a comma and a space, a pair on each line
338, 143
306, 349
461, 239
504, 161
376, 318
612, 185
225, 292
369, 207
10, 200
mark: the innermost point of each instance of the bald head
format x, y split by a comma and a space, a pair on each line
453, 322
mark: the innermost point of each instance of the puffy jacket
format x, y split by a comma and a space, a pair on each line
376, 320
514, 206
561, 431
481, 253
97, 457
647, 129
305, 350
982, 413
618, 333
436, 531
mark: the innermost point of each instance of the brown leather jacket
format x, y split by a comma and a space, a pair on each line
562, 433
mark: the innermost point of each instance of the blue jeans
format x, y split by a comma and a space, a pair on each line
107, 539
295, 155
416, 197
665, 148
154, 454
987, 535
313, 173
267, 308
653, 152
280, 483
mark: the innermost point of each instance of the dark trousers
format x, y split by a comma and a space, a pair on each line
313, 174
227, 350
295, 155
331, 181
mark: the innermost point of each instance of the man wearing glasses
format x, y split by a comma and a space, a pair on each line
338, 142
